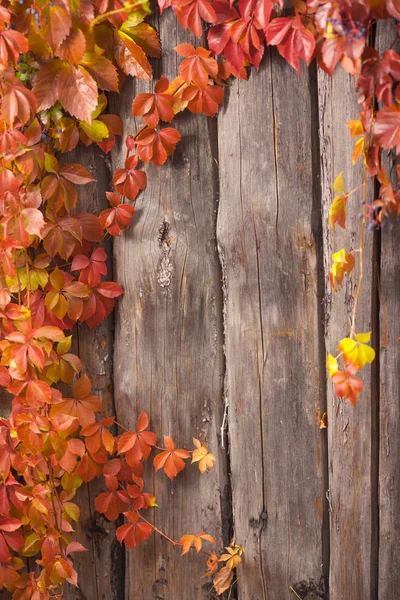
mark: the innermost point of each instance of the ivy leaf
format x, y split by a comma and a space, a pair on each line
190, 13
155, 107
170, 459
156, 146
72, 48
203, 100
202, 456
223, 580
196, 541
58, 25
137, 445
147, 38
346, 385
357, 352
129, 181
77, 92
198, 65
12, 44
133, 532
293, 40
102, 70
343, 263
130, 57
386, 127
337, 212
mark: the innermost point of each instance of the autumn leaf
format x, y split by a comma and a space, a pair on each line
129, 180
357, 352
130, 57
155, 107
170, 459
223, 580
331, 365
201, 455
155, 146
346, 385
292, 38
137, 445
187, 541
337, 212
198, 65
115, 219
343, 263
386, 127
133, 532
233, 556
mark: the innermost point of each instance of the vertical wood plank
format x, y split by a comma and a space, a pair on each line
101, 569
349, 427
389, 443
168, 351
268, 251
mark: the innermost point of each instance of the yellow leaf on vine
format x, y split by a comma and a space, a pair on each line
338, 185
233, 556
337, 211
356, 351
202, 456
342, 263
356, 127
331, 365
189, 540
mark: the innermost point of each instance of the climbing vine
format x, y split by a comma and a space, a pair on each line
58, 60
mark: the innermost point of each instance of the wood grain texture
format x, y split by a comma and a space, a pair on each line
268, 252
168, 350
101, 569
389, 406
349, 429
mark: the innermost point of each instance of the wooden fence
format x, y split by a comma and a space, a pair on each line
228, 309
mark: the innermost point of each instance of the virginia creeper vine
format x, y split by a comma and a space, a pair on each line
58, 60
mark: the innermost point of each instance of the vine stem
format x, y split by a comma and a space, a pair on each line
111, 13
165, 536
361, 251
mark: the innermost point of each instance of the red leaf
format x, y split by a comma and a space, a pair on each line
155, 107
130, 57
76, 174
171, 459
198, 66
156, 146
102, 70
294, 41
134, 532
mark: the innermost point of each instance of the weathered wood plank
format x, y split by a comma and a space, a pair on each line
389, 443
349, 429
101, 569
268, 251
168, 352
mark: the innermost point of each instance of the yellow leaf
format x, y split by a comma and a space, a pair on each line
357, 353
332, 365
338, 186
358, 149
363, 338
202, 456
356, 127
337, 211
342, 263
324, 421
